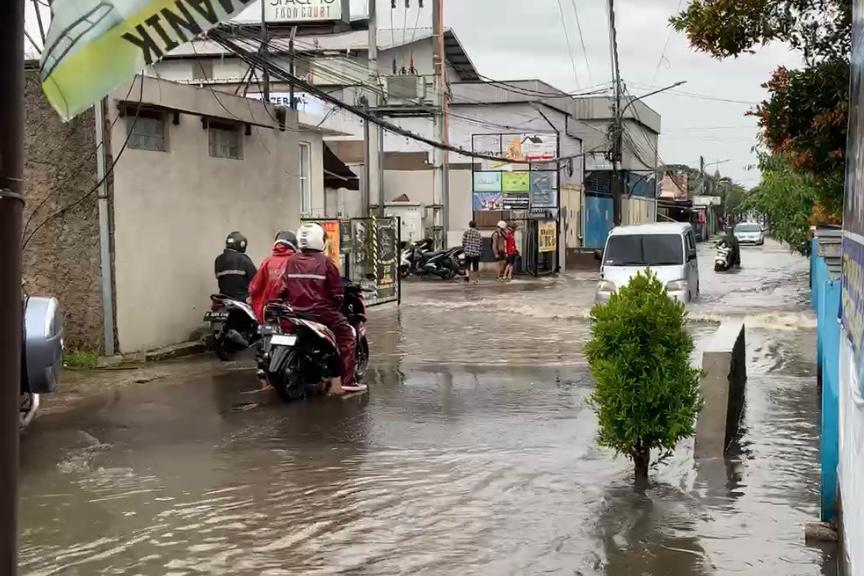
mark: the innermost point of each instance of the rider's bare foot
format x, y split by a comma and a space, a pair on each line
336, 387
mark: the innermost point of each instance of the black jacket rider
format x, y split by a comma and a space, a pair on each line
234, 271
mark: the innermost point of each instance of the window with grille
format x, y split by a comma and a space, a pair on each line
305, 184
147, 131
226, 140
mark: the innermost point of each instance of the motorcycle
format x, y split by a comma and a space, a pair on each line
723, 257
41, 353
410, 254
233, 326
298, 355
444, 264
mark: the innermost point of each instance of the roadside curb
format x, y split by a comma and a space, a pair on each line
182, 350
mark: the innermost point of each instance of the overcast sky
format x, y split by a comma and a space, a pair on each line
523, 39
520, 39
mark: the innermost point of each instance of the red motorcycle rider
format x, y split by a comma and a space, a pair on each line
267, 283
313, 285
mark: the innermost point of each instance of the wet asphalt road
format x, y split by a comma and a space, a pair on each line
474, 454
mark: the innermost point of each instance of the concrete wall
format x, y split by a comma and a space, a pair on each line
172, 210
62, 258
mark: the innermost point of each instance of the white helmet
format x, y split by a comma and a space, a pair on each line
311, 236
502, 225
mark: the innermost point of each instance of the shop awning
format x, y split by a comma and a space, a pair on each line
337, 174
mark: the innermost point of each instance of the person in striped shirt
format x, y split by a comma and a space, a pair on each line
471, 244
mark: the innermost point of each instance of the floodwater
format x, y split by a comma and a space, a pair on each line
475, 453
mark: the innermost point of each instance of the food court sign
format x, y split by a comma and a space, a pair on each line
306, 10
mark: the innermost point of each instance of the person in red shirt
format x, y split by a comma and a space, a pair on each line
313, 285
511, 251
267, 283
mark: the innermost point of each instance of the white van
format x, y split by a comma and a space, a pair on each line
669, 250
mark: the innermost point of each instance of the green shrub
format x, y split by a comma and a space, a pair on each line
647, 395
80, 359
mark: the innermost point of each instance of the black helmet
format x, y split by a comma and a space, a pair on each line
237, 242
286, 238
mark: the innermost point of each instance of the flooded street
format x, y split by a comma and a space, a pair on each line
473, 454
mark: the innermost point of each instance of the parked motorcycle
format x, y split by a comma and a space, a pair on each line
41, 353
444, 264
723, 259
298, 355
233, 326
412, 253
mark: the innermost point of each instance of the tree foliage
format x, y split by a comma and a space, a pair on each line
804, 119
647, 395
820, 29
786, 198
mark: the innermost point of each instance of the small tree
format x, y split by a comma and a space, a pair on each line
647, 395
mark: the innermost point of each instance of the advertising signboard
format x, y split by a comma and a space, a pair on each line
306, 10
487, 182
544, 189
852, 296
334, 240
547, 236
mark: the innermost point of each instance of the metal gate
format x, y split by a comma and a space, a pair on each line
367, 252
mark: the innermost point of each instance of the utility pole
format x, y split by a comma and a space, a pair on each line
11, 212
264, 51
704, 185
617, 119
374, 134
293, 67
442, 132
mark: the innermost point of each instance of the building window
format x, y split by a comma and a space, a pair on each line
147, 131
226, 140
305, 166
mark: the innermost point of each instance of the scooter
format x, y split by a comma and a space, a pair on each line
41, 353
298, 355
723, 257
444, 264
410, 254
233, 326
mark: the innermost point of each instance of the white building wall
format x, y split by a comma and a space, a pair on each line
851, 467
172, 210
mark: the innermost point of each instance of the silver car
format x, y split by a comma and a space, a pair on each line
750, 233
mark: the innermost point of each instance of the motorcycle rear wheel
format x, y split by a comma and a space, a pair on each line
288, 380
362, 359
223, 349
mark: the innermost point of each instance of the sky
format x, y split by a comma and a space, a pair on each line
510, 39
526, 39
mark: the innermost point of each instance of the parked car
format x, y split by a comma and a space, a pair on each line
41, 353
750, 233
667, 249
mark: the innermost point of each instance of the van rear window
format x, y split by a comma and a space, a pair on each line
645, 250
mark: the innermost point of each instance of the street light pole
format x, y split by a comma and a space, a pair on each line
11, 211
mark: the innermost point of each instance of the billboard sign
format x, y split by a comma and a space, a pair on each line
305, 11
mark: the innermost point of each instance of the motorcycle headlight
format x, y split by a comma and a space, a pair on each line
677, 286
605, 287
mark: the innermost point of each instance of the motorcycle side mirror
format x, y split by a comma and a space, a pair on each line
598, 255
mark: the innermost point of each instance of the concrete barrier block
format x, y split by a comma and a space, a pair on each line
724, 376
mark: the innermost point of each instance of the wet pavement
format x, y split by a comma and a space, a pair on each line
474, 454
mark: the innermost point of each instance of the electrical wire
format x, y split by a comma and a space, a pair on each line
665, 46
570, 51
80, 169
101, 181
251, 56
582, 41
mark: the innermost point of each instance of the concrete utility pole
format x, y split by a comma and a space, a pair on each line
442, 131
374, 134
617, 120
264, 40
11, 213
293, 66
